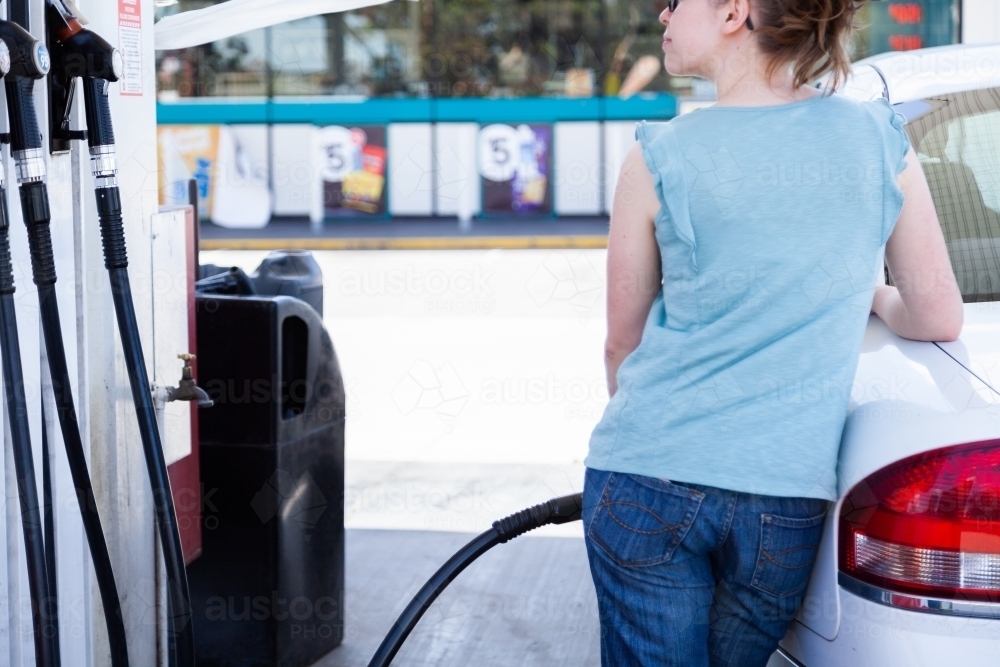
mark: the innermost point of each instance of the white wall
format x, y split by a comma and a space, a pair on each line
577, 185
410, 174
619, 137
980, 21
456, 187
293, 172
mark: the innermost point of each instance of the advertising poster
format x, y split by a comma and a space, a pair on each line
188, 151
353, 161
514, 167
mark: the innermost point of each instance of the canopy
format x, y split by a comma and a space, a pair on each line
201, 26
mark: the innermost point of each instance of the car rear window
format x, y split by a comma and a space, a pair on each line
957, 139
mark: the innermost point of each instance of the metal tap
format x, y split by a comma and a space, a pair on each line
188, 389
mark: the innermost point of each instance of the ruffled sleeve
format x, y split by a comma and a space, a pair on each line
895, 144
661, 151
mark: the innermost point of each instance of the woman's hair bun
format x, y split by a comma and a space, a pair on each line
812, 34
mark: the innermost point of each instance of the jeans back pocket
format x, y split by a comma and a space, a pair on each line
640, 521
787, 551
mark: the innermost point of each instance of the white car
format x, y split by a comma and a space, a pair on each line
908, 573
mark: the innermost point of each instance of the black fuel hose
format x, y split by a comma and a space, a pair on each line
100, 136
557, 510
34, 206
181, 638
49, 530
44, 624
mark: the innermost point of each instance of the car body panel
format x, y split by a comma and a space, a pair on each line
874, 635
978, 348
866, 83
908, 397
915, 75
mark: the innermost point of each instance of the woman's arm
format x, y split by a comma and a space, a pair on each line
925, 302
634, 275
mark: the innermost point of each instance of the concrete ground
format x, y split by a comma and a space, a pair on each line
474, 379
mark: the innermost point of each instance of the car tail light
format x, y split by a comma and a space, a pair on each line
928, 525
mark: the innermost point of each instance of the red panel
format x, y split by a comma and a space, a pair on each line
185, 474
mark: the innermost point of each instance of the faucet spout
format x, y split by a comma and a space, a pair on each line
187, 389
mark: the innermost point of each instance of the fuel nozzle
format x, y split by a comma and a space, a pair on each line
29, 60
28, 57
78, 52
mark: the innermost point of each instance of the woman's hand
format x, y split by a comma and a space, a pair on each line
925, 303
634, 272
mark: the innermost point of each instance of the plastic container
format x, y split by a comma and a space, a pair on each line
291, 273
268, 588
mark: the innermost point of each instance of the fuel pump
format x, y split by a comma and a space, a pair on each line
30, 62
80, 53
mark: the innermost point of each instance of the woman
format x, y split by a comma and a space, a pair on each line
743, 257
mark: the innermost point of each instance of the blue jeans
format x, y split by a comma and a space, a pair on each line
695, 576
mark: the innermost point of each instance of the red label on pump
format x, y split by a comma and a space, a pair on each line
128, 13
130, 45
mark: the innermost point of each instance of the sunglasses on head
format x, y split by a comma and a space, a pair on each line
672, 6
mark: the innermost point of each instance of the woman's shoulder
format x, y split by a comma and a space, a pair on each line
656, 135
879, 110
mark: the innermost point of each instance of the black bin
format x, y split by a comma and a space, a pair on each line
268, 589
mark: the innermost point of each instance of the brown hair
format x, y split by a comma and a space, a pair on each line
812, 34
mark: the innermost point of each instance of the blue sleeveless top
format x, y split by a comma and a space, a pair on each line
770, 230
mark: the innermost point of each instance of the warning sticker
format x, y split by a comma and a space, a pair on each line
130, 45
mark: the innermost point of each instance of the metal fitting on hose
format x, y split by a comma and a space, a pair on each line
104, 165
30, 165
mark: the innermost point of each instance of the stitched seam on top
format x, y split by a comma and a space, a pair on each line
667, 528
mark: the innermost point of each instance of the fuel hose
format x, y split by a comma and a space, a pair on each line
557, 510
29, 62
44, 625
101, 139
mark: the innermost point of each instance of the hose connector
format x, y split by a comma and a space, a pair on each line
29, 165
558, 510
104, 165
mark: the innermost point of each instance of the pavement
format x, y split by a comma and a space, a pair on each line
474, 378
412, 233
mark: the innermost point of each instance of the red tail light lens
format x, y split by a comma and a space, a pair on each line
928, 525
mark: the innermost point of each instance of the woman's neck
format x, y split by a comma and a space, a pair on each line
740, 81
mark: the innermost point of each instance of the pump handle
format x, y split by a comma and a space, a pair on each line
6, 266
100, 131
24, 133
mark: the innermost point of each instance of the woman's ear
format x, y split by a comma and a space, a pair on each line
737, 13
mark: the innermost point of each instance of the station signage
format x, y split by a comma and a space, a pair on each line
911, 24
353, 170
514, 165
